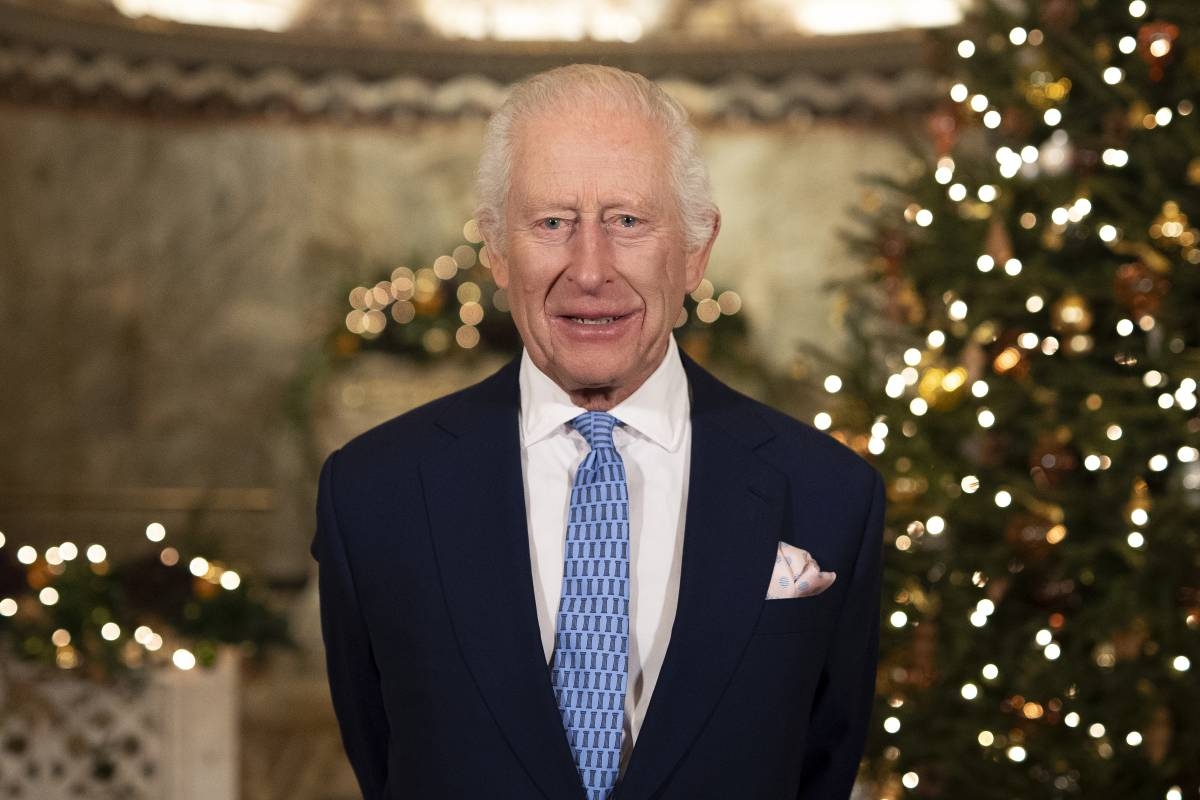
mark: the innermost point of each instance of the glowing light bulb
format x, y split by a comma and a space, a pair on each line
183, 659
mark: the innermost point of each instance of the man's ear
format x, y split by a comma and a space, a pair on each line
496, 258
697, 260
499, 264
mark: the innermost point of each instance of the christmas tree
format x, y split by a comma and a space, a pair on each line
1024, 373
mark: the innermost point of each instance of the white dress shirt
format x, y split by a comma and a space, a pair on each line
654, 442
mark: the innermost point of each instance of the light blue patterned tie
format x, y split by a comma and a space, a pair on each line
591, 652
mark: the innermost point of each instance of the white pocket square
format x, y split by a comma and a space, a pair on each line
797, 574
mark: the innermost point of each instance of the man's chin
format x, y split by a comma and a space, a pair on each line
590, 380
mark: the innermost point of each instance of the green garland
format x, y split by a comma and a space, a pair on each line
77, 609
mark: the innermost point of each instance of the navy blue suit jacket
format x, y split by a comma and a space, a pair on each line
435, 660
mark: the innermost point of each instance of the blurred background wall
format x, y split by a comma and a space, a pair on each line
164, 279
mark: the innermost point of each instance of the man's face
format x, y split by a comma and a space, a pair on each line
594, 261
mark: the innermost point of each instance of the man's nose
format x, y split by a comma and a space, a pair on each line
591, 255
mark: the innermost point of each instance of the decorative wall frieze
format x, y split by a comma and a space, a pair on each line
63, 76
169, 69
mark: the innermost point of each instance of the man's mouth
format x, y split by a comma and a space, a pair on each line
596, 326
592, 320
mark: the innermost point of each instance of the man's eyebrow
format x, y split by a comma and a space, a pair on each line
534, 204
538, 201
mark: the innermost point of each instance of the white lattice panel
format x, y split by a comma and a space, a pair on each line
169, 735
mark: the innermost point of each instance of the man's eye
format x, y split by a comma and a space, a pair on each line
552, 223
627, 220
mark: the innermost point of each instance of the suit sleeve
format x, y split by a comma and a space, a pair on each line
842, 708
353, 676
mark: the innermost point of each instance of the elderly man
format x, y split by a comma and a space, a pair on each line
599, 573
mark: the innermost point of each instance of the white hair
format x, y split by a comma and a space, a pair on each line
565, 89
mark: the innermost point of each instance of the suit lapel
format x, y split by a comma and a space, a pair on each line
474, 494
733, 523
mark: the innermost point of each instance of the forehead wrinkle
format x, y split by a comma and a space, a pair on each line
535, 194
552, 167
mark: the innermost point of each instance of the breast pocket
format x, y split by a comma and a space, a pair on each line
796, 614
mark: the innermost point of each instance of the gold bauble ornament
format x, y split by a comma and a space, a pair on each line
38, 575
943, 389
1007, 357
1135, 113
205, 590
1170, 224
1140, 289
1071, 315
1193, 171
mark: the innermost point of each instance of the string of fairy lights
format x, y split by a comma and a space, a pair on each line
140, 644
410, 293
928, 384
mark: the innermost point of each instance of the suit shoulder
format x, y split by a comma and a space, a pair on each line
792, 445
800, 444
415, 431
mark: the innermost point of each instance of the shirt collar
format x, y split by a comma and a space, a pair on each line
658, 409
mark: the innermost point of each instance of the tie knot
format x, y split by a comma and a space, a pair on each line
596, 427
